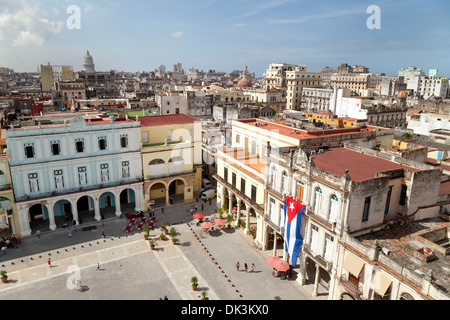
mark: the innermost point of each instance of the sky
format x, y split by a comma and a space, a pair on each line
226, 35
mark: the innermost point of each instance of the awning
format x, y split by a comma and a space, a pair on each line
380, 283
353, 265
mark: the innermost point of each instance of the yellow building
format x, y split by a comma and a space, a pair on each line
9, 221
171, 158
331, 119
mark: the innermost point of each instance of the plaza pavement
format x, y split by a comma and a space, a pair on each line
129, 270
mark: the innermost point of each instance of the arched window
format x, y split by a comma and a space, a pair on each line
334, 205
317, 200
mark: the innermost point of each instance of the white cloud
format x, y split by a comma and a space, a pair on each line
178, 34
328, 15
22, 24
238, 25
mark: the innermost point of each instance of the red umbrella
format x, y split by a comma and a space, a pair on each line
206, 225
272, 259
281, 265
220, 222
198, 216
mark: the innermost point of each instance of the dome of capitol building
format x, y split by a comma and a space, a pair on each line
88, 63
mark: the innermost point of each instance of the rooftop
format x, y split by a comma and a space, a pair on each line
404, 245
171, 119
307, 134
361, 166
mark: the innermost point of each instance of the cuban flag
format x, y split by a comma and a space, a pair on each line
293, 211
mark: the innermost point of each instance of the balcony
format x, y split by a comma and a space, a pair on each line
324, 264
354, 290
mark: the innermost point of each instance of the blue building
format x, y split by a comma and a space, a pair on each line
74, 171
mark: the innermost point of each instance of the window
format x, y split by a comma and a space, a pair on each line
145, 137
238, 138
233, 179
272, 209
253, 196
125, 169
104, 172
300, 189
102, 143
317, 200
334, 204
284, 182
55, 147
59, 179
2, 178
29, 150
314, 238
123, 140
402, 201
225, 174
33, 182
366, 209
388, 200
329, 246
243, 185
79, 145
82, 176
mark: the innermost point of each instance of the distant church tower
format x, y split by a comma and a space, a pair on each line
88, 63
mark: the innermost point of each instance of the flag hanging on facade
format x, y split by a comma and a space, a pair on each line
293, 211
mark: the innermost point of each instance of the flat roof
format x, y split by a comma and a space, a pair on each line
170, 119
361, 166
308, 134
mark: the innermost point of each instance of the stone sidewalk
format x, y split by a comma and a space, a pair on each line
129, 268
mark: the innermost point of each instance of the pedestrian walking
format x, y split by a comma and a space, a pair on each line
38, 233
49, 262
165, 298
162, 210
252, 268
4, 250
98, 266
237, 266
202, 206
187, 212
70, 233
245, 266
103, 233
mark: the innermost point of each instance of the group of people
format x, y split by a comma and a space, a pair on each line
252, 267
9, 242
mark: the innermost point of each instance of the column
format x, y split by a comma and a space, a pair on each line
118, 209
138, 198
75, 212
316, 281
51, 215
230, 202
167, 197
238, 211
247, 220
97, 215
274, 243
24, 221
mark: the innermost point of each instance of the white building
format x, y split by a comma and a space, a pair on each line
174, 103
427, 122
295, 81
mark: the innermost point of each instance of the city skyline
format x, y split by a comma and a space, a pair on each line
225, 36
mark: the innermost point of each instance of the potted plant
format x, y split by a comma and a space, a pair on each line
173, 234
152, 244
146, 229
229, 220
162, 236
204, 295
4, 276
164, 226
194, 282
